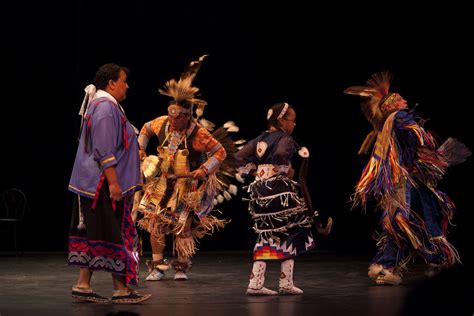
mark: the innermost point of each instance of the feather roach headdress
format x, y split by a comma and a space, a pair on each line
183, 92
375, 94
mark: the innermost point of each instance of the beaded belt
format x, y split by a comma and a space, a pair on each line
267, 171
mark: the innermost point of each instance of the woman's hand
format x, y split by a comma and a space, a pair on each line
291, 173
115, 191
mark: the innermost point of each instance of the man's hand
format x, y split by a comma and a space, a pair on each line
142, 154
199, 173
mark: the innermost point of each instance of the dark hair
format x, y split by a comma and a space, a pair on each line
108, 72
183, 103
276, 110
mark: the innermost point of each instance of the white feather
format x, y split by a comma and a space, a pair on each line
269, 114
233, 189
234, 128
229, 124
199, 112
239, 178
227, 195
207, 124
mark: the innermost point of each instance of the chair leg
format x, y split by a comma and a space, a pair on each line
14, 240
20, 239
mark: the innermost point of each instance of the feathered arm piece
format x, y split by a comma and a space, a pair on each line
227, 169
453, 151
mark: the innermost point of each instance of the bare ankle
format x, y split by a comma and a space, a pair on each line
121, 292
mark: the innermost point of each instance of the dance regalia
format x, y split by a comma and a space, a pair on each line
280, 214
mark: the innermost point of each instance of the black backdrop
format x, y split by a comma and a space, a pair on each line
302, 53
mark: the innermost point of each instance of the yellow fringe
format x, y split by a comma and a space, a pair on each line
185, 247
207, 225
406, 228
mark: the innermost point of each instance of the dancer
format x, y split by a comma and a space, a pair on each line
181, 181
282, 218
401, 176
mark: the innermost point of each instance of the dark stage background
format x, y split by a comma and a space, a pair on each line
302, 53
